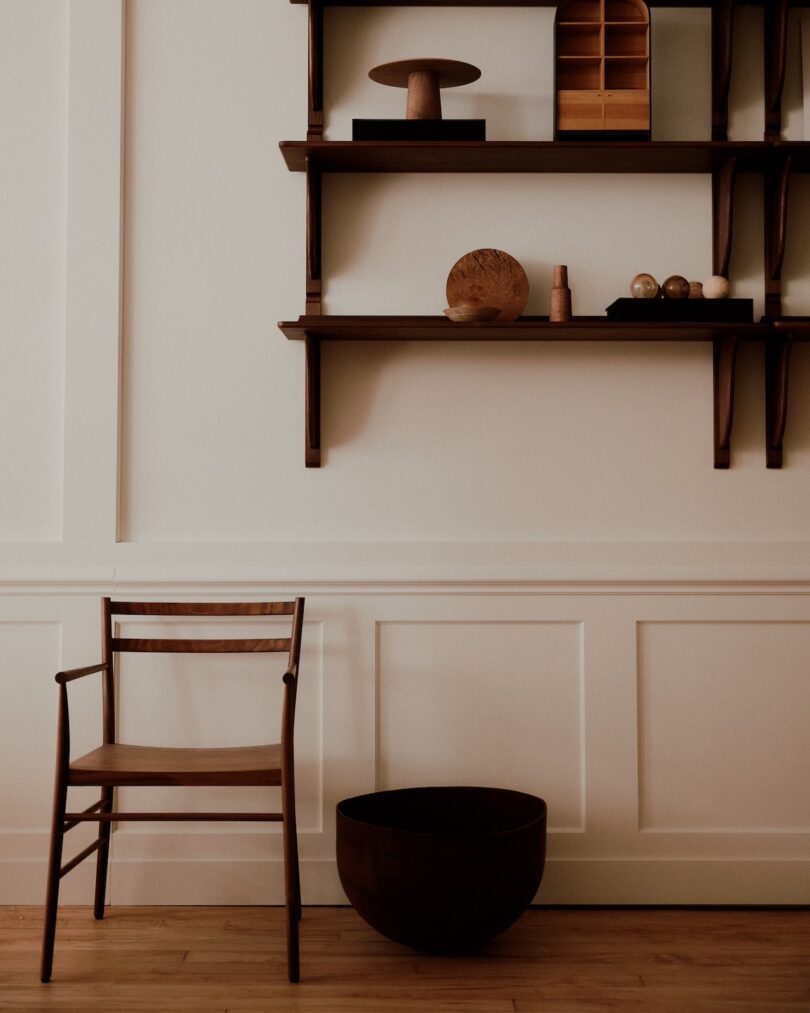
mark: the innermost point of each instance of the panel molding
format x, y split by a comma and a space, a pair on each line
94, 269
498, 672
719, 695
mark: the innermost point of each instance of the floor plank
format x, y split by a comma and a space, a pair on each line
573, 960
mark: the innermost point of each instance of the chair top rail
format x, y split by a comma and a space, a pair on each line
168, 608
176, 646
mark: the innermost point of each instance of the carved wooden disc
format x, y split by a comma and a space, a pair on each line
489, 278
450, 73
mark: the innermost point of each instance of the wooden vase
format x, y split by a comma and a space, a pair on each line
560, 309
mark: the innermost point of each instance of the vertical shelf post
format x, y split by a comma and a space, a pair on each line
775, 15
723, 187
312, 449
778, 346
777, 186
722, 50
315, 61
313, 226
725, 359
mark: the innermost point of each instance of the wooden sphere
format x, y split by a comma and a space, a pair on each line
644, 286
695, 289
716, 287
675, 287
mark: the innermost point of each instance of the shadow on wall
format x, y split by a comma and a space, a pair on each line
359, 383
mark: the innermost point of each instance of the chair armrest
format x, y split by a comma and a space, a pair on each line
76, 673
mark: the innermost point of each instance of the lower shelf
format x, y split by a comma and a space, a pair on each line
724, 337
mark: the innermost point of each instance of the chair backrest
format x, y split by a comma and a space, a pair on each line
112, 644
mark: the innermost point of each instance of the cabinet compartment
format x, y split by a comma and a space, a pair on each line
625, 72
575, 72
625, 10
626, 40
579, 40
583, 10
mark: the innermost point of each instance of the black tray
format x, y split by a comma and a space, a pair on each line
734, 311
419, 130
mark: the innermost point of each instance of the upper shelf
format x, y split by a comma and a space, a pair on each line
536, 156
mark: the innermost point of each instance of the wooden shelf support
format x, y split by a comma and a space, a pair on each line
313, 226
778, 347
315, 62
312, 406
775, 15
723, 187
725, 359
722, 51
777, 186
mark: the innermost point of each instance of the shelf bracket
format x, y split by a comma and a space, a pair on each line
777, 187
778, 347
725, 358
315, 63
775, 14
723, 186
314, 244
722, 50
312, 406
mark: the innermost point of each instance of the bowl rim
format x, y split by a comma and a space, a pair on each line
541, 817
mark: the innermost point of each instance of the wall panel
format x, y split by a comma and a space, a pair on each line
484, 703
722, 712
33, 126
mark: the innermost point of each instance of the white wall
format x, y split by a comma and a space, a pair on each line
556, 506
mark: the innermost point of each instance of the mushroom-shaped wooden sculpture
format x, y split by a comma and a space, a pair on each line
423, 78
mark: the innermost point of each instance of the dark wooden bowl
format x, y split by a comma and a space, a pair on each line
441, 869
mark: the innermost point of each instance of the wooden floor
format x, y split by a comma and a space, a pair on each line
213, 960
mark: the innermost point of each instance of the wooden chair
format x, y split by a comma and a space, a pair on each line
114, 763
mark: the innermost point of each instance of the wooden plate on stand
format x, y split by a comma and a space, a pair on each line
489, 278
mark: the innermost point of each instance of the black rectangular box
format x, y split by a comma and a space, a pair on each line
419, 130
734, 311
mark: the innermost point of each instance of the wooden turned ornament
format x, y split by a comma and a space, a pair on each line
560, 309
424, 78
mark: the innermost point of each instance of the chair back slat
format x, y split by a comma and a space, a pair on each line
144, 644
162, 608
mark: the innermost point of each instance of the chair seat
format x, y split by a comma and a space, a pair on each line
153, 765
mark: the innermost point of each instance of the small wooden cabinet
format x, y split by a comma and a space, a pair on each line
602, 70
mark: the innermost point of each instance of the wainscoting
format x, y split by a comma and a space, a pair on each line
665, 725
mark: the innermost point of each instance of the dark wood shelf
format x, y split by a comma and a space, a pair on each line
439, 328
534, 156
725, 337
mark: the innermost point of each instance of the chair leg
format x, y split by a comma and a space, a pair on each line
54, 867
292, 889
103, 855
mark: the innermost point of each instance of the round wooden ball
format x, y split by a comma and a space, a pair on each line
695, 289
675, 287
644, 286
717, 287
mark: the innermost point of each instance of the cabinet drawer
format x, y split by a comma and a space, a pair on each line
627, 110
580, 110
